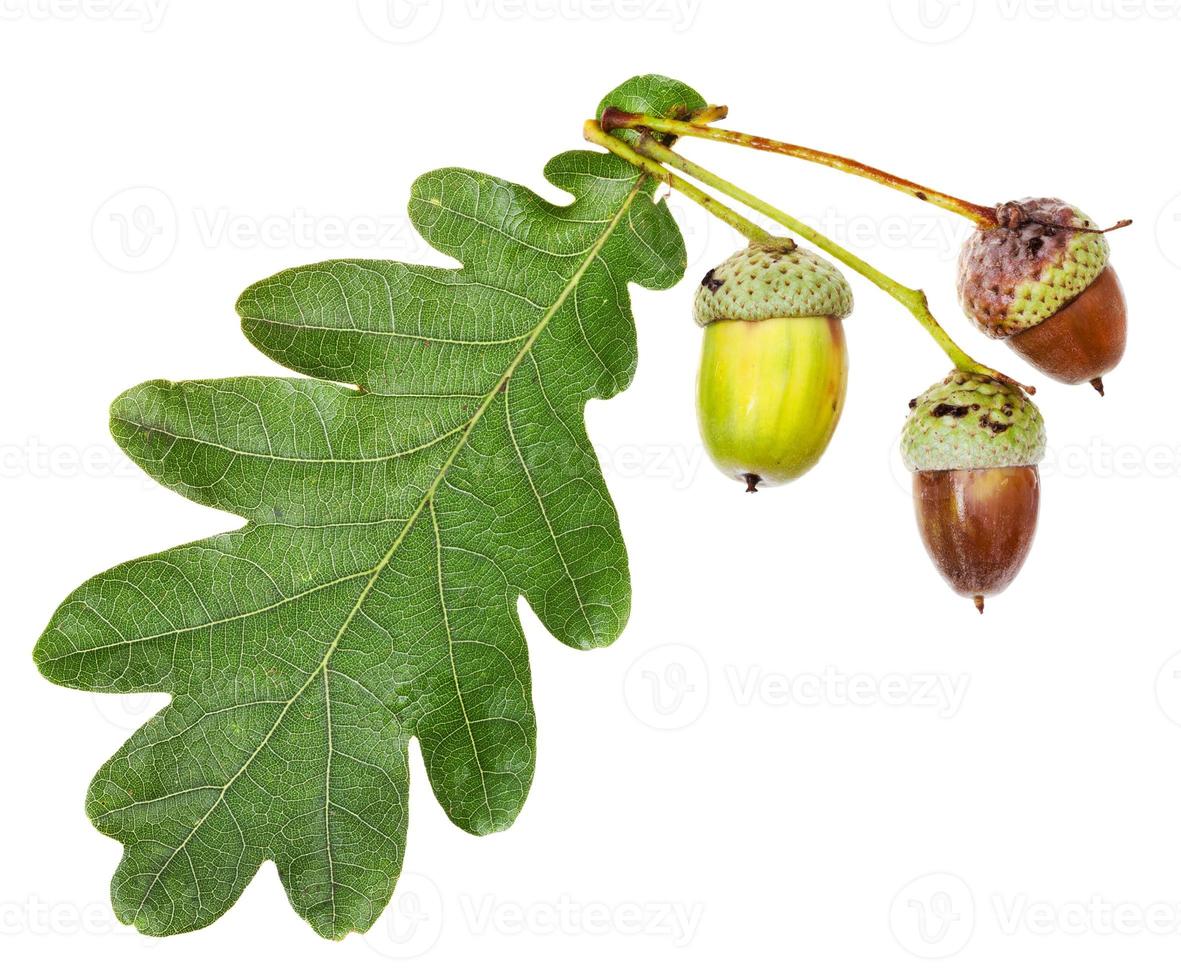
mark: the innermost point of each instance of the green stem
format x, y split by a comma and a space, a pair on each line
978, 213
915, 300
594, 134
709, 114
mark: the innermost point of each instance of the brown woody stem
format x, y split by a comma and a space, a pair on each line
978, 213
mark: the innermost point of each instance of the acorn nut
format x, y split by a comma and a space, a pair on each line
774, 365
973, 445
1040, 280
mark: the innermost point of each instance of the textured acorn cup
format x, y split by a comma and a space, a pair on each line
774, 364
974, 445
1041, 281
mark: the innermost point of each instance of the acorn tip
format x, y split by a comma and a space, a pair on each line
1097, 384
979, 601
752, 482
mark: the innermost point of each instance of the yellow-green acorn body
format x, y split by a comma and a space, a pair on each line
774, 365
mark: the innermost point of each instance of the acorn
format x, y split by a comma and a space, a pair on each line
1041, 281
774, 365
973, 444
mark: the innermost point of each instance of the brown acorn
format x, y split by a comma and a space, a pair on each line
1040, 280
973, 444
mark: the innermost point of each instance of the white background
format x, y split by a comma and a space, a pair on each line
806, 756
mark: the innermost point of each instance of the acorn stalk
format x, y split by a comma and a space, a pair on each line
973, 445
774, 363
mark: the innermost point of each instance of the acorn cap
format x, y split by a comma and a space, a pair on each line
1036, 260
772, 279
970, 422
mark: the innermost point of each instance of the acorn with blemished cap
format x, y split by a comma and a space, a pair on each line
973, 444
774, 366
1041, 280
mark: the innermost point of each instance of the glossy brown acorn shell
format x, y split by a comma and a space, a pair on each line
978, 525
1083, 340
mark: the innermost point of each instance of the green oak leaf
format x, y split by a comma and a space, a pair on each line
431, 469
652, 95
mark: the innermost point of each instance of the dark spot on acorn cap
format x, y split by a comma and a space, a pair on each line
956, 411
912, 403
920, 195
1034, 245
986, 422
711, 283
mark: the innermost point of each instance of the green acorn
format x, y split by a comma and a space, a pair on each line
973, 444
774, 364
1041, 281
